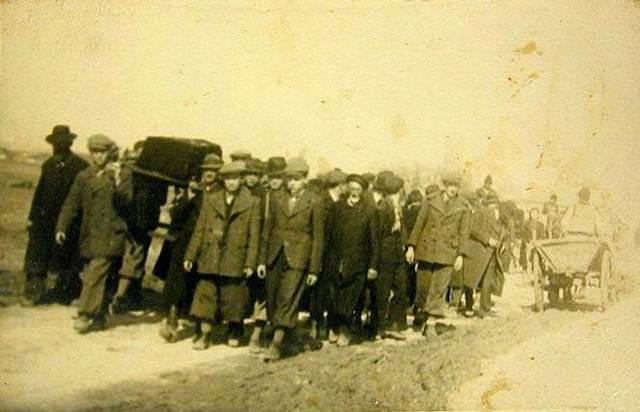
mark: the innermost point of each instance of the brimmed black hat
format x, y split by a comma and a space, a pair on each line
276, 166
60, 134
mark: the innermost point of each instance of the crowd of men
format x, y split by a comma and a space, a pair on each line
262, 241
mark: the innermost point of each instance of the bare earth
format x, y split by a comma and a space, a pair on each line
522, 360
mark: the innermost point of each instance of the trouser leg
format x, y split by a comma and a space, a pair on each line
94, 285
436, 295
423, 284
398, 308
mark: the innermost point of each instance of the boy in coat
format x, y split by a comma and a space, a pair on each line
224, 251
436, 244
291, 256
44, 260
351, 255
102, 232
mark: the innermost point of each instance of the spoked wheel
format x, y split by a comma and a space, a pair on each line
538, 294
607, 286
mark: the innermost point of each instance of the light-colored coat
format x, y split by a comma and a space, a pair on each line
226, 245
440, 230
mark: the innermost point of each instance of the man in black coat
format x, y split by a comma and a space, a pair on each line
351, 256
43, 257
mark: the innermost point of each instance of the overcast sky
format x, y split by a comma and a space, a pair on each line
543, 95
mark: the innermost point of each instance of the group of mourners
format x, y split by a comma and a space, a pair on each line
261, 241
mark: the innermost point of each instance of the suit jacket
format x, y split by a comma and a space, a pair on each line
298, 233
353, 244
226, 239
102, 231
440, 230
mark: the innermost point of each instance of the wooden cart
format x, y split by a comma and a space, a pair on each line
581, 257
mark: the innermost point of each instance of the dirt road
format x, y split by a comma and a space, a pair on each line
592, 363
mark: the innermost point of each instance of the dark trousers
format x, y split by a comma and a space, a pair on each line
285, 287
486, 286
432, 287
344, 294
223, 295
257, 306
390, 312
97, 281
319, 300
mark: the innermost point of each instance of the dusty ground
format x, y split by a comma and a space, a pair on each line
483, 364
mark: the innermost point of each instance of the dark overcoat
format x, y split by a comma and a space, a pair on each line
103, 231
226, 239
298, 233
391, 242
441, 228
353, 246
56, 177
478, 252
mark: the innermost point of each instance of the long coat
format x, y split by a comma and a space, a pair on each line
353, 245
298, 233
56, 177
440, 230
484, 227
103, 231
225, 240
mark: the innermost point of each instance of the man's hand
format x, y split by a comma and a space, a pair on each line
410, 255
60, 238
262, 271
493, 243
187, 265
312, 278
248, 272
458, 263
372, 274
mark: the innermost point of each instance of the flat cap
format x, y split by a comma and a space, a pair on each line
100, 142
297, 165
359, 179
431, 190
240, 155
335, 177
211, 162
237, 167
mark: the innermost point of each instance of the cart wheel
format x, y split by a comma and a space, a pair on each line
607, 286
538, 293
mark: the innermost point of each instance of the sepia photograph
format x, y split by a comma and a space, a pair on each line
319, 205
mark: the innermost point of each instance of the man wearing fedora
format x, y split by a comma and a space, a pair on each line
102, 231
291, 254
44, 260
437, 244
